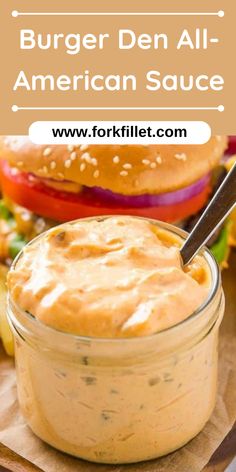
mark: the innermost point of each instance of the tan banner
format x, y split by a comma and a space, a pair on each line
120, 60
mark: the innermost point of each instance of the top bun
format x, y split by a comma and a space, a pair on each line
126, 169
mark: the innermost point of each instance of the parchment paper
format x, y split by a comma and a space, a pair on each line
192, 458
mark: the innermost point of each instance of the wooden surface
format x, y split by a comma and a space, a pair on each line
227, 451
11, 461
225, 454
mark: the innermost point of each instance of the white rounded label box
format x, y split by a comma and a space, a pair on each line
119, 132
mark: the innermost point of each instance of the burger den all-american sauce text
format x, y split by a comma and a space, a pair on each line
127, 39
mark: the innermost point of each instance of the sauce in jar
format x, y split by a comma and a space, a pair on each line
116, 343
121, 277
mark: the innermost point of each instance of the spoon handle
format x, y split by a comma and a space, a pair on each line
215, 213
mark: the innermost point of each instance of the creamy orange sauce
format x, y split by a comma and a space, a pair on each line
118, 277
114, 400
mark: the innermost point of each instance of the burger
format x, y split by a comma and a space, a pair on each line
45, 185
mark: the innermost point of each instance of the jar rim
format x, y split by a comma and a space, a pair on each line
205, 252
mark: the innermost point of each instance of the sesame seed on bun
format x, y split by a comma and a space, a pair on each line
124, 169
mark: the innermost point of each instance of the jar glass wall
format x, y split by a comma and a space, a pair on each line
120, 400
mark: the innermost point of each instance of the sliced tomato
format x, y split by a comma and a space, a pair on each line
65, 206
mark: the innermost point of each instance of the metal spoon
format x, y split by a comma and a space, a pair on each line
218, 209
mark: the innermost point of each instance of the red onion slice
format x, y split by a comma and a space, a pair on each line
232, 145
148, 200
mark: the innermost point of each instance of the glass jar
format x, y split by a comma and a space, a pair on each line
120, 400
